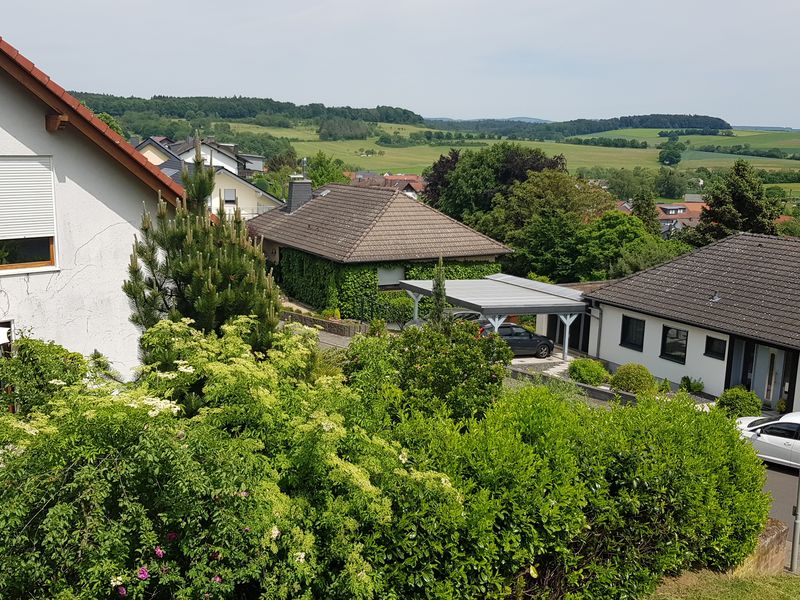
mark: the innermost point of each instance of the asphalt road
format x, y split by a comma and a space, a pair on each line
782, 483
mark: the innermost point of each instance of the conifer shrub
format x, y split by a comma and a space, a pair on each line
633, 378
738, 402
588, 371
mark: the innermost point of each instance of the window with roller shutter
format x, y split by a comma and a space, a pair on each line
27, 212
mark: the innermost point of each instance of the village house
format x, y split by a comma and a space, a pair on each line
71, 199
230, 189
322, 236
727, 314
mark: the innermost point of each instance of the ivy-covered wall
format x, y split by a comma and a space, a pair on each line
353, 289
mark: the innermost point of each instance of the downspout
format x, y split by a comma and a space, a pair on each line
599, 330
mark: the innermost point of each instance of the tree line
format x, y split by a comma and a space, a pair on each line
575, 127
606, 142
694, 131
239, 107
748, 150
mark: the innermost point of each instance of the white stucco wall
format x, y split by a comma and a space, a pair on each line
217, 158
251, 200
698, 366
78, 303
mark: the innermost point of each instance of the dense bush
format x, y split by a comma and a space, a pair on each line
226, 474
633, 378
588, 371
37, 371
460, 373
693, 386
739, 402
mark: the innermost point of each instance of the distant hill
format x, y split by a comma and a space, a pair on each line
763, 128
527, 120
559, 130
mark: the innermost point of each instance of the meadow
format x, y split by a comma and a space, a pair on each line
415, 159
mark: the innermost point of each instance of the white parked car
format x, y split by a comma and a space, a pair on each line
774, 438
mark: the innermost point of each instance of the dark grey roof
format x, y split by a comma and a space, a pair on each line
745, 285
188, 144
357, 225
504, 295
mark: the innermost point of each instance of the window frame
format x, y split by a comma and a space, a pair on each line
626, 344
713, 354
51, 262
779, 424
663, 354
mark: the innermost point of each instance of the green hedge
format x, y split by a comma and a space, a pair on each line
353, 289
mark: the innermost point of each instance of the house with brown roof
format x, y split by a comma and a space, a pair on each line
324, 239
71, 198
728, 314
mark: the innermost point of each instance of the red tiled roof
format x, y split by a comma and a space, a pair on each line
61, 102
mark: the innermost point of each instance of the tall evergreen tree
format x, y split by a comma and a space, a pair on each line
736, 202
643, 206
438, 318
198, 182
209, 272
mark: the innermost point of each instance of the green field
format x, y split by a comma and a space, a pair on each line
416, 158
710, 586
785, 140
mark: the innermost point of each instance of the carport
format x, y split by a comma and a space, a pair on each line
498, 296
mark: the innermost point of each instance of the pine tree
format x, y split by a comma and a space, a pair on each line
736, 203
209, 272
199, 182
643, 206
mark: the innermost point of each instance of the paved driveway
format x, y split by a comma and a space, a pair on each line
782, 483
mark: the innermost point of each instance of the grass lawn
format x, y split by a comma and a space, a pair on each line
711, 586
786, 140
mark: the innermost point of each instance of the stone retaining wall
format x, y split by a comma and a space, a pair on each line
343, 328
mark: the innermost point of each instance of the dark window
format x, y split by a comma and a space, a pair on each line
28, 252
673, 344
505, 331
229, 196
520, 332
715, 347
632, 333
782, 430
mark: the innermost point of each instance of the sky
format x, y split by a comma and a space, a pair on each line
555, 60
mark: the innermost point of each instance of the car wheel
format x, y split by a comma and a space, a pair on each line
542, 351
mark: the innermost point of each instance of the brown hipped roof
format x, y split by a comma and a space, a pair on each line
81, 118
357, 225
744, 285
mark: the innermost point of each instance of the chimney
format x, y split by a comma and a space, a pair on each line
299, 192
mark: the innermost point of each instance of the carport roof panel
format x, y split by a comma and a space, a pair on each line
492, 297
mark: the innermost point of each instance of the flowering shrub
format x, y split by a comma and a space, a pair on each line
38, 370
224, 474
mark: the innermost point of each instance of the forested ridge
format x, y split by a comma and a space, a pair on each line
238, 107
559, 130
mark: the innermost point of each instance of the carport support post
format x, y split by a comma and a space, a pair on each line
496, 321
416, 297
796, 530
567, 321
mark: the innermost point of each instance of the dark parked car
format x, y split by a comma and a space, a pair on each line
522, 341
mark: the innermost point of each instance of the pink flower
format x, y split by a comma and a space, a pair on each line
159, 552
143, 574
122, 591
216, 579
172, 536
